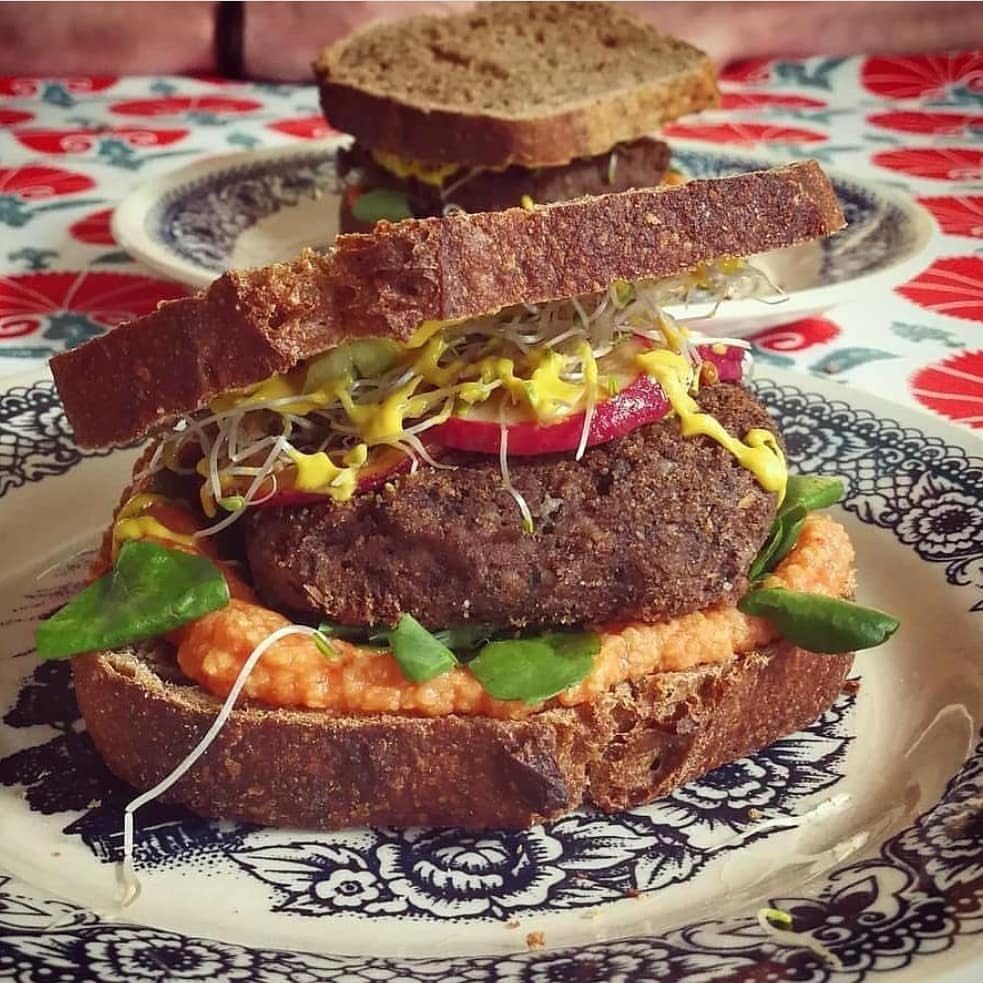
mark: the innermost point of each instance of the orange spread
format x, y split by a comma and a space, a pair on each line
295, 673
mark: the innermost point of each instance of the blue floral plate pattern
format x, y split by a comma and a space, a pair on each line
250, 209
866, 827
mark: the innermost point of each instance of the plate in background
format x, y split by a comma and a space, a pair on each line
259, 207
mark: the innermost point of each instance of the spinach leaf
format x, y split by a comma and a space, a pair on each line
152, 590
382, 203
364, 636
465, 638
803, 494
818, 623
419, 654
534, 669
812, 492
762, 562
790, 525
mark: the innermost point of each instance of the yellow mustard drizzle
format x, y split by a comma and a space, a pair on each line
759, 452
131, 523
318, 473
406, 167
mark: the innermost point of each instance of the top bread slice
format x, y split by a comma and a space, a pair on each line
252, 324
535, 84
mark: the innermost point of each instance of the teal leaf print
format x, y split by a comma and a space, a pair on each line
242, 140
923, 332
848, 358
810, 74
118, 256
33, 259
71, 327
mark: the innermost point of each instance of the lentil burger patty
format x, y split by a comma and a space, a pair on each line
645, 527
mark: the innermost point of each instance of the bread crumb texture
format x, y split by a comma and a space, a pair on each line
518, 59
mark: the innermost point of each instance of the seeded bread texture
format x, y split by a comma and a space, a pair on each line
251, 324
321, 770
511, 83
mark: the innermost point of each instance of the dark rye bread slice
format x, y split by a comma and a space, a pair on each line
322, 770
251, 324
511, 83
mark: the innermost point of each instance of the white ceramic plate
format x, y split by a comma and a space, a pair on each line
866, 827
255, 208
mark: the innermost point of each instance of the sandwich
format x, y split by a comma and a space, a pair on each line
511, 103
455, 524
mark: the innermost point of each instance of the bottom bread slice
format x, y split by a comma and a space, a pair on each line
322, 770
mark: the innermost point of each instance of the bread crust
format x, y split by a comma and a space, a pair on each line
249, 325
386, 119
319, 770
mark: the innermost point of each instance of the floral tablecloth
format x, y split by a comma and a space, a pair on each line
71, 148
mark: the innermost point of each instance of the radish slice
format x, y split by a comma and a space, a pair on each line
641, 401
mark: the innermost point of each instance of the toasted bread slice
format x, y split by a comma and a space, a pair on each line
252, 324
322, 770
511, 83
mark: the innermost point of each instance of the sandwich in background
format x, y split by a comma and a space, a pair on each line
512, 103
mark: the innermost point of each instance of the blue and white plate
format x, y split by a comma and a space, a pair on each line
867, 827
255, 208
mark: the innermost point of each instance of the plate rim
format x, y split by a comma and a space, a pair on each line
970, 954
128, 217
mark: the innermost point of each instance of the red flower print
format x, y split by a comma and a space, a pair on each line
952, 285
922, 76
941, 124
68, 308
953, 387
743, 133
176, 105
12, 86
11, 117
940, 163
796, 336
958, 216
307, 127
36, 183
94, 229
751, 70
79, 141
760, 100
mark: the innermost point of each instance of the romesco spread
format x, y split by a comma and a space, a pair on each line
294, 672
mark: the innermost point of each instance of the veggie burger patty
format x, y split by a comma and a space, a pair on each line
645, 527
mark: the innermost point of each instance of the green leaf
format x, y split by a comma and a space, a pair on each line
152, 590
419, 654
790, 525
534, 669
763, 559
818, 623
382, 203
361, 635
802, 496
811, 492
465, 638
